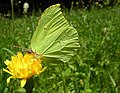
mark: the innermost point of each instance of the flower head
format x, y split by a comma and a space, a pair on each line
25, 7
23, 67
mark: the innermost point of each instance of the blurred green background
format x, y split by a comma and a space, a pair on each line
94, 69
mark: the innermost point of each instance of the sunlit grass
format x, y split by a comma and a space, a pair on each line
94, 69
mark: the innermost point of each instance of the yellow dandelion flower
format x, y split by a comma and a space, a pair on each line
23, 67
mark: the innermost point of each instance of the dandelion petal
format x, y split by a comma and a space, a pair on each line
8, 79
23, 82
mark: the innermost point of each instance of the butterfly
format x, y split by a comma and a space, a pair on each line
54, 39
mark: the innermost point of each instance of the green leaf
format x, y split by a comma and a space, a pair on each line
54, 38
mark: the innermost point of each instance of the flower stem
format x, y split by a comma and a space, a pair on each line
29, 85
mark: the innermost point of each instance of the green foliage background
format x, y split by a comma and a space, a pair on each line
94, 69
